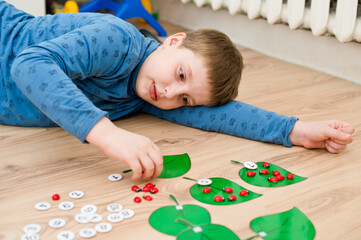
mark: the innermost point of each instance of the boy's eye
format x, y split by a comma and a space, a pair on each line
185, 100
181, 74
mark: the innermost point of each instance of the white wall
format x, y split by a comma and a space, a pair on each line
34, 7
324, 53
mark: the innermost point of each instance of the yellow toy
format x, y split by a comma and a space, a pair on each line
69, 7
146, 4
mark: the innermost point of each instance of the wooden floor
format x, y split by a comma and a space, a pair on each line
36, 163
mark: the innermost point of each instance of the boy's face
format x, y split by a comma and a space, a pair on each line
173, 76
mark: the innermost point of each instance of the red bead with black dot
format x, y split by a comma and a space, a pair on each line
251, 174
280, 177
227, 190
154, 190
206, 190
266, 165
218, 198
243, 193
148, 198
273, 179
232, 198
264, 172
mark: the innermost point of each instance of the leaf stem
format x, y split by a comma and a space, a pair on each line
164, 163
185, 222
253, 237
174, 199
233, 161
190, 179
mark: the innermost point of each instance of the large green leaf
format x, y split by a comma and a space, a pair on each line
292, 224
216, 189
163, 219
175, 166
261, 180
207, 232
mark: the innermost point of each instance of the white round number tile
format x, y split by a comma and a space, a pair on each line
115, 217
89, 209
57, 223
42, 206
66, 206
65, 235
32, 228
179, 207
127, 213
250, 165
76, 194
30, 237
114, 207
204, 182
103, 227
87, 232
81, 218
94, 218
115, 177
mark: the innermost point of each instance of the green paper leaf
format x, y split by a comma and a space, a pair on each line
175, 166
262, 180
207, 232
292, 224
164, 219
216, 189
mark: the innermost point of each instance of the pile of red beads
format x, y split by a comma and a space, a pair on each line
229, 190
149, 187
276, 174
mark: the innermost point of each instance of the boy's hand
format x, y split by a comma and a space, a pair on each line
139, 152
333, 135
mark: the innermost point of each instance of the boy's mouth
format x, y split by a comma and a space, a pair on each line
153, 92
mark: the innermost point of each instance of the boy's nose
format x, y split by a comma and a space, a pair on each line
173, 91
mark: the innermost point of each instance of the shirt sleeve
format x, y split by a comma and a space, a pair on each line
235, 118
44, 72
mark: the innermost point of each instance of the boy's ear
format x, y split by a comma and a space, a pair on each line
174, 40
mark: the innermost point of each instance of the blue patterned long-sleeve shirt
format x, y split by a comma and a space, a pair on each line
70, 70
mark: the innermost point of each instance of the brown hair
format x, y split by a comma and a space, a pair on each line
223, 62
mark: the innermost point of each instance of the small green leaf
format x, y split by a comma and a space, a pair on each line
216, 189
261, 180
292, 224
207, 232
164, 219
175, 166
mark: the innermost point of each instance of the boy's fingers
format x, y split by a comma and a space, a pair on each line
148, 167
337, 134
136, 169
330, 149
157, 159
342, 141
348, 129
336, 146
343, 126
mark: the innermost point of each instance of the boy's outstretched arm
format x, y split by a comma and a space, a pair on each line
334, 135
247, 121
139, 152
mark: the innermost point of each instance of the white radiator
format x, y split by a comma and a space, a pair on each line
341, 18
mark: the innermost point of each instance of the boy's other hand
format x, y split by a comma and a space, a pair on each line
139, 152
334, 135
